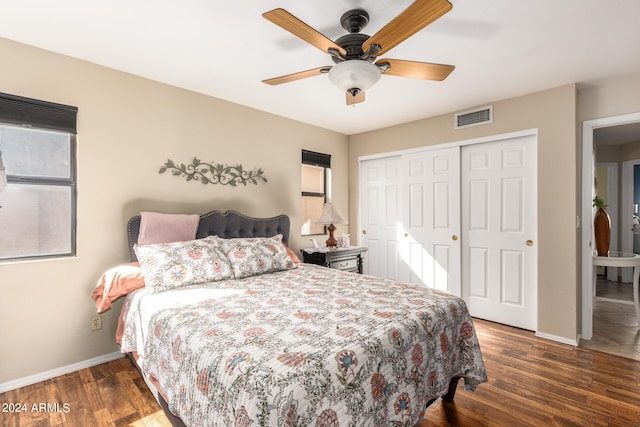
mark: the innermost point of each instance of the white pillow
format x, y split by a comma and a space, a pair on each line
172, 265
257, 255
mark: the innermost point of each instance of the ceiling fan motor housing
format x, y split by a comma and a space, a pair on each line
352, 44
353, 21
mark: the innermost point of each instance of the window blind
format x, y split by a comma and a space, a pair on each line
316, 159
21, 111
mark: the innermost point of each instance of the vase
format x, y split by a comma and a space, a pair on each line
602, 229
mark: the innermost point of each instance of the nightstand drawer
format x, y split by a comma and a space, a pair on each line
344, 259
345, 264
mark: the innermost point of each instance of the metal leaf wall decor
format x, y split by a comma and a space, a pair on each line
211, 173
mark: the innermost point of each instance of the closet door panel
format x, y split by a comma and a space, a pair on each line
499, 223
432, 218
380, 204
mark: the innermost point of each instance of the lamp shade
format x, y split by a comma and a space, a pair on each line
354, 74
330, 215
3, 174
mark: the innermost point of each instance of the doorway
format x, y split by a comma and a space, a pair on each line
625, 124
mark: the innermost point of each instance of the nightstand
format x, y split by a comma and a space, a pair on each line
346, 259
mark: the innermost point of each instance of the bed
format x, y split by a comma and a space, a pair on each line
297, 344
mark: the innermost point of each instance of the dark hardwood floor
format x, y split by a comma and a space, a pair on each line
111, 394
537, 382
532, 382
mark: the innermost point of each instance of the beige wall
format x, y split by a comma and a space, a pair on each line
602, 178
128, 127
607, 154
553, 113
630, 151
613, 96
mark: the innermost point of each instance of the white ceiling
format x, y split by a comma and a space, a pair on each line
501, 49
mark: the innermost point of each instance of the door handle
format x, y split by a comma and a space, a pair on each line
406, 235
454, 237
529, 242
364, 231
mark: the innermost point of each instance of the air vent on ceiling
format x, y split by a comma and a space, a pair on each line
480, 116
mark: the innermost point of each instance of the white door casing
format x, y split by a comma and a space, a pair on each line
499, 227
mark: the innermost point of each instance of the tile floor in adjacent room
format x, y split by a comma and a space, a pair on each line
615, 330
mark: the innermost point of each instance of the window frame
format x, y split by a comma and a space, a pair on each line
313, 158
17, 111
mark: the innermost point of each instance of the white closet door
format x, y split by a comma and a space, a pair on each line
430, 229
499, 222
380, 194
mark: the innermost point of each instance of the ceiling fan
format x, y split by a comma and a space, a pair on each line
355, 54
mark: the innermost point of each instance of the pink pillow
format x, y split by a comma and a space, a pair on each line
167, 228
292, 254
115, 283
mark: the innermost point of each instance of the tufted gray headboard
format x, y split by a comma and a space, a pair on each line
227, 225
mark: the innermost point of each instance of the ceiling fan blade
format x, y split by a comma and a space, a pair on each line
297, 76
417, 16
415, 70
298, 28
353, 100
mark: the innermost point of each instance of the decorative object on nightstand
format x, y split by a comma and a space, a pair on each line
344, 241
345, 259
331, 216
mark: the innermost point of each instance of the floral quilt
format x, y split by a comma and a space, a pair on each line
310, 346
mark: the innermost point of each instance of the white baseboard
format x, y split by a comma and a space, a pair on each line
556, 338
43, 376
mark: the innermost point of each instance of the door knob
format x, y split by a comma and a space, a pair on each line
406, 235
529, 242
364, 231
454, 237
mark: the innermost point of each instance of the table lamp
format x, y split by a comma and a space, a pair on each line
331, 216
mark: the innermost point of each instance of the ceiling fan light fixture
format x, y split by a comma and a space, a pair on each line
354, 75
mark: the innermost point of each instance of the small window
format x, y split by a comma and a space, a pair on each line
38, 205
316, 186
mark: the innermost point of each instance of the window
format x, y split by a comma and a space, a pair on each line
38, 205
316, 188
